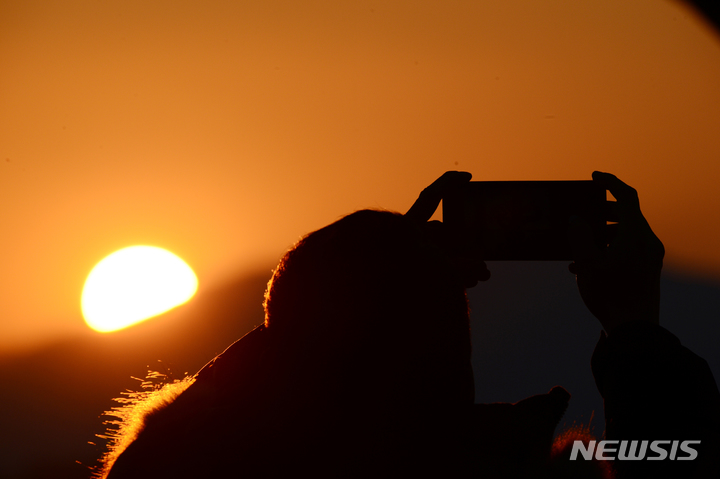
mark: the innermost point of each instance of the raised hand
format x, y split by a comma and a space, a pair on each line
621, 282
468, 269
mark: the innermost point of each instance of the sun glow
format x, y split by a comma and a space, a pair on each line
134, 284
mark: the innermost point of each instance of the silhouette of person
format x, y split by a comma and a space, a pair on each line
362, 367
652, 386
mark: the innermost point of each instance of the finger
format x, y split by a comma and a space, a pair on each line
612, 211
470, 271
428, 201
622, 192
479, 270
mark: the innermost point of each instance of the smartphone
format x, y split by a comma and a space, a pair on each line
523, 220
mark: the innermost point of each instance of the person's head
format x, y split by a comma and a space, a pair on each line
370, 291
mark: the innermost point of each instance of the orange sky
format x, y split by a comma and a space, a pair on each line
224, 130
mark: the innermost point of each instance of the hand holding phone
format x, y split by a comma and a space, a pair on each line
469, 268
620, 283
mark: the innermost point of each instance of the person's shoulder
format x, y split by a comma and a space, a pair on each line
244, 354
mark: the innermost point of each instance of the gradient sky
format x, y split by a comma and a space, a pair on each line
224, 130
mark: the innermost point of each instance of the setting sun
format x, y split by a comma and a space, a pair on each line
134, 284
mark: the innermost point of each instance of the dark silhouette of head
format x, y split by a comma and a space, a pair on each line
373, 290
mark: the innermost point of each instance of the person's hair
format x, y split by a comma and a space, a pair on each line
367, 269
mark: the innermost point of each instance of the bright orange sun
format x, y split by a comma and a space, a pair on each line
134, 284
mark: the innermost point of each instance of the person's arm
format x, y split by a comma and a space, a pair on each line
653, 387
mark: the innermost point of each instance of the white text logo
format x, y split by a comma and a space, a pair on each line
635, 450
